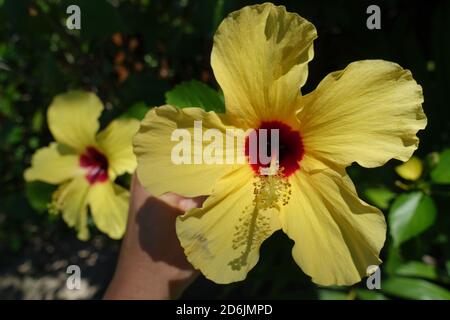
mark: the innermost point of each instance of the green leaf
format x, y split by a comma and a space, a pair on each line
325, 294
441, 173
218, 13
394, 259
417, 269
195, 94
366, 294
136, 111
15, 135
39, 194
410, 215
380, 197
37, 121
409, 288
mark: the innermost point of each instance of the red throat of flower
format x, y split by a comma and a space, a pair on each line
96, 165
291, 149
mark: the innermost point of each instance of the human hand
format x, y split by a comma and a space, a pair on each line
152, 264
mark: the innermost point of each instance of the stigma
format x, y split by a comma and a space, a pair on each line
271, 191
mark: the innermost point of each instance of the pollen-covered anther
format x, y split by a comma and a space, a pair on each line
54, 207
271, 191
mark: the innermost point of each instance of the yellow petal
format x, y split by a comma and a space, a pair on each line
73, 119
337, 236
259, 58
369, 113
222, 239
153, 147
71, 200
109, 208
411, 169
53, 165
116, 143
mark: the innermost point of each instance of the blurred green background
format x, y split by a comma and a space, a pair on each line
132, 53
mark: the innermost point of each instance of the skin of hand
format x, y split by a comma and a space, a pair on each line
152, 264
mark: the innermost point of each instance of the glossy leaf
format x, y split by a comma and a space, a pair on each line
366, 294
417, 269
325, 294
136, 111
410, 215
418, 289
195, 94
39, 194
441, 173
380, 197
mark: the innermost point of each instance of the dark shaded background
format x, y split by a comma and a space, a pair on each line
131, 53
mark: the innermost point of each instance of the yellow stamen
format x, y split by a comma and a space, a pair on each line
270, 192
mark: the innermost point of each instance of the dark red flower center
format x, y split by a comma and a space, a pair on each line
96, 165
290, 147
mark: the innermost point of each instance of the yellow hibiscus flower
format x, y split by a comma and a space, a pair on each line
85, 164
367, 113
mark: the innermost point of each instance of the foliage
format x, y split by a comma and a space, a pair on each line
141, 53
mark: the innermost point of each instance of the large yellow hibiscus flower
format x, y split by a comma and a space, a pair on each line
367, 113
85, 164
